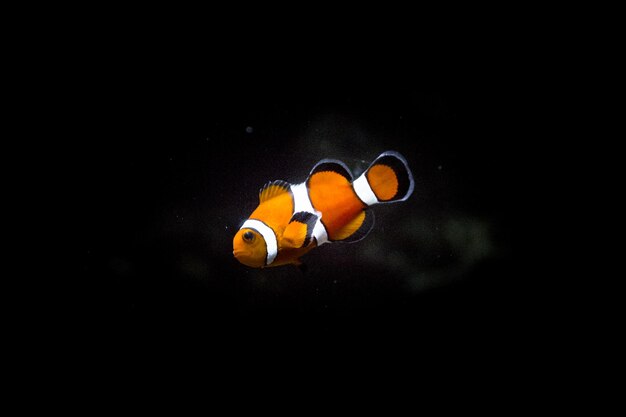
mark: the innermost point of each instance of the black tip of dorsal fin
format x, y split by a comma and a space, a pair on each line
272, 189
333, 165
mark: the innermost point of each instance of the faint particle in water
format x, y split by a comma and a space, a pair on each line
193, 267
249, 129
440, 167
120, 266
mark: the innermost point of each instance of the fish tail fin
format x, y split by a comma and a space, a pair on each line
387, 180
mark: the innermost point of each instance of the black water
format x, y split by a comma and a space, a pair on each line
172, 165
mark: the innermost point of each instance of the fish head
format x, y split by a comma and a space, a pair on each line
249, 248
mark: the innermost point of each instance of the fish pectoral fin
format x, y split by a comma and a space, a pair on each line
298, 232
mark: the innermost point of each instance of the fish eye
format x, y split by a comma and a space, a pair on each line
248, 237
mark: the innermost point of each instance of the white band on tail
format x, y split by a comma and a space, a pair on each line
268, 234
364, 191
302, 202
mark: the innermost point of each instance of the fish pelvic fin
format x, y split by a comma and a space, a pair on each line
302, 267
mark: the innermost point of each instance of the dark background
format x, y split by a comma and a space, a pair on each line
175, 149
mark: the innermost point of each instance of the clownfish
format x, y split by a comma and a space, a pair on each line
330, 206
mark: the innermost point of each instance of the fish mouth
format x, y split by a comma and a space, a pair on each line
243, 257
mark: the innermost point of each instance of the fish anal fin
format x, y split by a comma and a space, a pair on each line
298, 232
272, 189
356, 229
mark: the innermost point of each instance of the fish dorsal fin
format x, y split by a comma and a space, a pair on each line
298, 232
356, 229
272, 189
332, 165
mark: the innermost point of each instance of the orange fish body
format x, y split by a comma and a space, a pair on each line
329, 206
